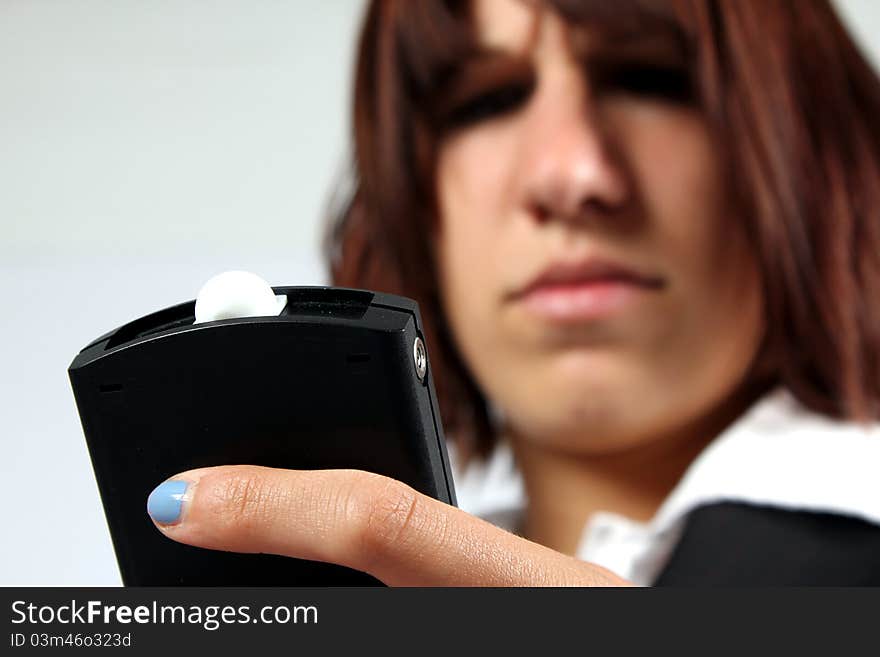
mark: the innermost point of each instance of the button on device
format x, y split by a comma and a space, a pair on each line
420, 358
235, 294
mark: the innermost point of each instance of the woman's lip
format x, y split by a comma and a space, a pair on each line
583, 300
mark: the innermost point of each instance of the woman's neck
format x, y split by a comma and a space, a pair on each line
565, 489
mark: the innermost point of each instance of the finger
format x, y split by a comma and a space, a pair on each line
361, 520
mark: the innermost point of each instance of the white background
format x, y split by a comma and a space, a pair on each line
145, 146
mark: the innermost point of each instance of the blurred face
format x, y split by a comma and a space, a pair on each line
594, 279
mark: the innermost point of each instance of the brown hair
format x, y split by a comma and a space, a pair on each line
794, 107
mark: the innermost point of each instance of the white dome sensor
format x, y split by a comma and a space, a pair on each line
235, 294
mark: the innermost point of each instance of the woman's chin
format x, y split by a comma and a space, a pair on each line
582, 424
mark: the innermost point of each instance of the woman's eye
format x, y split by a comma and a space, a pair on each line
487, 105
672, 84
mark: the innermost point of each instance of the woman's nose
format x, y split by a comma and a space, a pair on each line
570, 171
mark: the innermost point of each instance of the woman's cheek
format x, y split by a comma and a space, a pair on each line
475, 213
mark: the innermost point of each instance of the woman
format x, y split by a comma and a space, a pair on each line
644, 237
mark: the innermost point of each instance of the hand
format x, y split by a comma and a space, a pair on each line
357, 519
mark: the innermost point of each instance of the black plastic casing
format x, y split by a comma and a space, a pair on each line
329, 383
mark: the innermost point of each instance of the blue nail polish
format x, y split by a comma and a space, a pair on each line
165, 501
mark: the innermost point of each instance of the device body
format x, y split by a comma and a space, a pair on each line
331, 382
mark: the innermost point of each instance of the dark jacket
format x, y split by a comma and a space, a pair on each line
736, 544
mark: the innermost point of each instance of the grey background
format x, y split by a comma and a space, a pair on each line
145, 146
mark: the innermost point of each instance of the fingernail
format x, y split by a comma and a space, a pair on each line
165, 502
